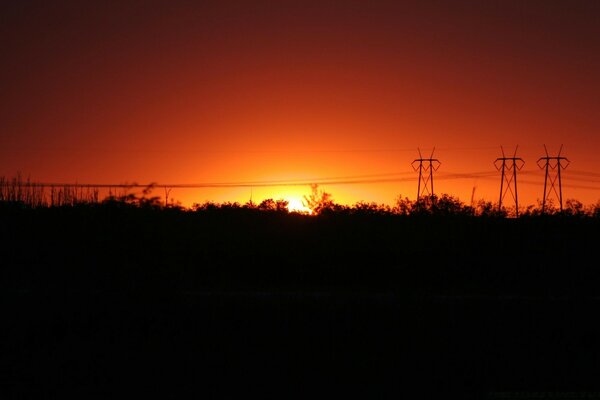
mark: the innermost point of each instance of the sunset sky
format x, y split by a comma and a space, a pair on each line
251, 91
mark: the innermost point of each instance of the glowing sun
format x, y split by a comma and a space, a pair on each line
295, 205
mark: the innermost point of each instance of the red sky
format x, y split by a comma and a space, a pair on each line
192, 92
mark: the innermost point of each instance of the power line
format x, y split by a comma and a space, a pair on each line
583, 173
426, 168
308, 182
251, 151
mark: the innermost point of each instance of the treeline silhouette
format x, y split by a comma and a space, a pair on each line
229, 300
438, 244
27, 193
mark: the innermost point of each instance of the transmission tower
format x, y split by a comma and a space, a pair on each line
509, 167
426, 168
552, 167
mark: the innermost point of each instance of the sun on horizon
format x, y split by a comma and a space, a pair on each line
297, 205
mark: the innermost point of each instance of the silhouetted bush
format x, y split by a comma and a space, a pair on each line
574, 208
488, 209
318, 201
594, 210
364, 208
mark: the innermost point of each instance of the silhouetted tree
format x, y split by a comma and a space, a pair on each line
595, 210
574, 208
267, 205
536, 210
318, 200
363, 207
279, 205
403, 206
250, 205
450, 205
489, 209
206, 206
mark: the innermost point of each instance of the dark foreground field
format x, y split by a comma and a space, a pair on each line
230, 304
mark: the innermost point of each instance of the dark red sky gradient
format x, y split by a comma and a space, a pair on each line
187, 91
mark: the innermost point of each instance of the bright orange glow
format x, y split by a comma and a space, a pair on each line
209, 92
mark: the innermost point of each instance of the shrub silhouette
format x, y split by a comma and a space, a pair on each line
489, 210
318, 201
279, 205
574, 208
365, 208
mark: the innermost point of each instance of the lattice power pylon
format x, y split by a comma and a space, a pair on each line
552, 167
509, 167
426, 168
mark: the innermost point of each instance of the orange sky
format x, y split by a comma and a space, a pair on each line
177, 92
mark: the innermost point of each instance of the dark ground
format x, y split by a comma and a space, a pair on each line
226, 304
